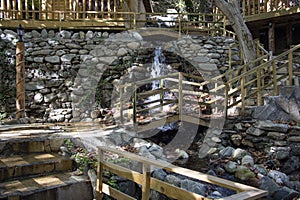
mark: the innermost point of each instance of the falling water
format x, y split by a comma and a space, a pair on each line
158, 67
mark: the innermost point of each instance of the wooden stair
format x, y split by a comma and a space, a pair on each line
32, 168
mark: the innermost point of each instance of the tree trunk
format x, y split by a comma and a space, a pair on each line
231, 10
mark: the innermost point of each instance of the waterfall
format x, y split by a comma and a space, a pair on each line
158, 66
157, 69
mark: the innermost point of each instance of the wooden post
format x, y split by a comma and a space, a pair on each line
134, 105
121, 105
243, 94
99, 175
258, 82
161, 85
134, 21
290, 66
20, 80
180, 95
226, 100
20, 10
271, 37
274, 71
33, 9
146, 182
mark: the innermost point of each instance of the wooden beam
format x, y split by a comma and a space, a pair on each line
115, 193
62, 24
20, 80
271, 35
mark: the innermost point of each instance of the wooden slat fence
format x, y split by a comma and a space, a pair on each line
143, 178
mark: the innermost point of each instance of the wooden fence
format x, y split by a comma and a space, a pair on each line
149, 183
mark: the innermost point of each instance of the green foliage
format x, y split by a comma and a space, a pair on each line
3, 116
84, 159
81, 156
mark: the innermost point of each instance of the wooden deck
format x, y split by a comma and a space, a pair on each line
123, 14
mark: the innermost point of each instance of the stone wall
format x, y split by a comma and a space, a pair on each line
70, 74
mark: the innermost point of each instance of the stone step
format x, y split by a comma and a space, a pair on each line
31, 145
60, 186
32, 164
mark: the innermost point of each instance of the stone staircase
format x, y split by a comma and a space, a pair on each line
32, 168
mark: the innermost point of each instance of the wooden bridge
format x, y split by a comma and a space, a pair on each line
193, 95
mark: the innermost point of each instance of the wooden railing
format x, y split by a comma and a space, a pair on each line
234, 50
225, 91
254, 7
249, 81
143, 178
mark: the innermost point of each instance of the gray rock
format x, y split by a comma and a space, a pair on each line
261, 169
277, 135
43, 52
35, 85
269, 185
35, 34
285, 193
174, 180
44, 34
133, 45
247, 160
67, 57
239, 153
255, 131
52, 59
294, 139
122, 52
159, 174
89, 35
291, 165
201, 59
278, 176
38, 98
194, 187
226, 152
270, 126
65, 34
236, 139
230, 167
243, 173
128, 187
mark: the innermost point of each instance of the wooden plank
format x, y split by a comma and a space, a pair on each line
173, 191
249, 195
152, 92
124, 172
115, 193
157, 123
62, 24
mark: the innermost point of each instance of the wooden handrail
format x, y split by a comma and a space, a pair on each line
143, 178
255, 74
